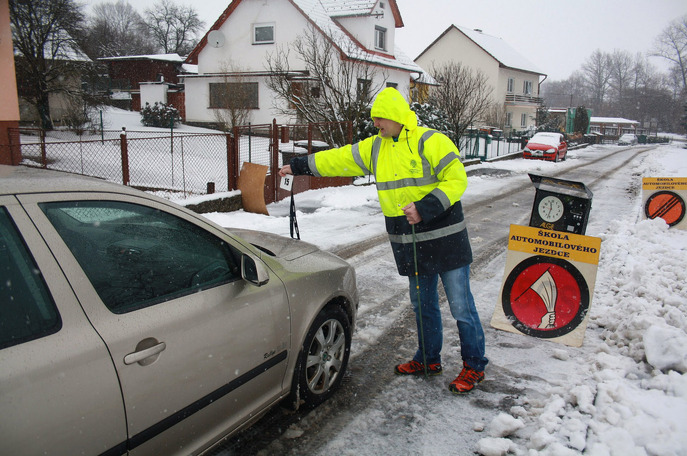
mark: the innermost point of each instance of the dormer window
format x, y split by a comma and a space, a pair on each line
380, 38
263, 33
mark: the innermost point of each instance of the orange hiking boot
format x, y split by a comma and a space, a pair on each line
415, 368
466, 380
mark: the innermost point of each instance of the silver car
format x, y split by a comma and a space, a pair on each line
130, 325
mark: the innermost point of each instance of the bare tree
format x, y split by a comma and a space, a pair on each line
330, 84
231, 99
174, 28
567, 93
671, 44
496, 115
48, 58
463, 94
117, 29
597, 74
622, 68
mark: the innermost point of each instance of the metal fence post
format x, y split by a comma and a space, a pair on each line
125, 156
44, 157
230, 162
275, 158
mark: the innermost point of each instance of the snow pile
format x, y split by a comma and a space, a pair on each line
627, 391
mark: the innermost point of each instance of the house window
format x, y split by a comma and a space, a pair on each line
380, 38
511, 84
364, 89
523, 120
414, 94
509, 119
527, 87
233, 95
299, 90
263, 33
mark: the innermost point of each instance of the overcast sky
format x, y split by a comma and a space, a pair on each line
556, 35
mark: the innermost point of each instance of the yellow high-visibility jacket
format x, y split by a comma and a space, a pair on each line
420, 166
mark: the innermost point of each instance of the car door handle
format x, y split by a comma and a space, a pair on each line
144, 353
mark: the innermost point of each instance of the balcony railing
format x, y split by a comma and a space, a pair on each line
512, 98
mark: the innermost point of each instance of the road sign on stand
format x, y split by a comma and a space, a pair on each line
548, 284
665, 197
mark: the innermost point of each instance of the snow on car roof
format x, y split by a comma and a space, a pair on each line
549, 139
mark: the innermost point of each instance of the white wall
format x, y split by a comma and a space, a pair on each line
152, 92
456, 47
363, 29
238, 54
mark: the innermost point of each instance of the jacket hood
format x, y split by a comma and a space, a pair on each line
390, 104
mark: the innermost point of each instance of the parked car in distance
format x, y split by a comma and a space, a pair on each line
546, 146
628, 139
131, 325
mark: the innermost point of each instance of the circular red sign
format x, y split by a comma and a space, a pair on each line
666, 205
545, 297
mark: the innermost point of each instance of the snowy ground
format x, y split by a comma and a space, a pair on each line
624, 392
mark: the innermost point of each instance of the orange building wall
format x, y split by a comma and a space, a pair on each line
9, 103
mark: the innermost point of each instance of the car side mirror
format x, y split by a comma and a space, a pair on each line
253, 271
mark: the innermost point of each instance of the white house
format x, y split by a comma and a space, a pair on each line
237, 46
515, 80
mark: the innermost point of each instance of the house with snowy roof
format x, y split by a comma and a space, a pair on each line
232, 56
135, 80
514, 79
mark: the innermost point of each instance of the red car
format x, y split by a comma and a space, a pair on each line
546, 146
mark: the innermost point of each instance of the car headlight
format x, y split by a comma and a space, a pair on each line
527, 149
551, 151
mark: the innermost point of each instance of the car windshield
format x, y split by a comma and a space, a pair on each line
549, 140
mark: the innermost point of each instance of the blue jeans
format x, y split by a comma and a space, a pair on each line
457, 287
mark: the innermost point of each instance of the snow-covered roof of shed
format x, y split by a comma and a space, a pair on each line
190, 69
163, 57
616, 120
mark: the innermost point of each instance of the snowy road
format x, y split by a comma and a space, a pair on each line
377, 412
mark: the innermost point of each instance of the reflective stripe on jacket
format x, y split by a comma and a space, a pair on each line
421, 166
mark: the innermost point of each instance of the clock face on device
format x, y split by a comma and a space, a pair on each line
550, 209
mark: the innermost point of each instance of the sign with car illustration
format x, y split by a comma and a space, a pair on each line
665, 197
548, 284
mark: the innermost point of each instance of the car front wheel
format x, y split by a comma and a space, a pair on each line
323, 359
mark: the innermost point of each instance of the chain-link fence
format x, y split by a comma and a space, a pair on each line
178, 162
174, 161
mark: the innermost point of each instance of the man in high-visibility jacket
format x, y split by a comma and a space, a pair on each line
420, 180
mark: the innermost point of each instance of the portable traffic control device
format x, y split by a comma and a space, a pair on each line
550, 266
560, 205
